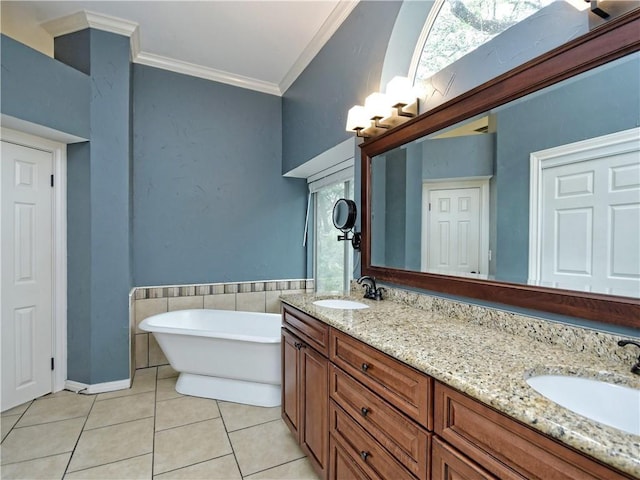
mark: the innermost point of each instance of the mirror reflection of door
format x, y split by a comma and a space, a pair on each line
455, 227
588, 228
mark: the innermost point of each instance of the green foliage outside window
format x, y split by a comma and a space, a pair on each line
463, 25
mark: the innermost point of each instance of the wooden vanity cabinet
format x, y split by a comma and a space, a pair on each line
505, 447
305, 379
407, 389
447, 464
379, 411
361, 414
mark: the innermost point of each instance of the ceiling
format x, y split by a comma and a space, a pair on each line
261, 45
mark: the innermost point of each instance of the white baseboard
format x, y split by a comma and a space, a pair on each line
85, 388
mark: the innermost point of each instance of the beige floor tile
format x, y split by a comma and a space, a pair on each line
167, 389
27, 443
223, 468
237, 415
296, 470
54, 408
166, 371
52, 467
137, 468
183, 446
143, 381
121, 410
184, 410
61, 393
7, 423
264, 446
111, 444
16, 410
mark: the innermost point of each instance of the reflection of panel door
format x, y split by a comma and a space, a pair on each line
585, 215
590, 224
454, 230
26, 202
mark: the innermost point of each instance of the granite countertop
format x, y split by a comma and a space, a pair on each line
491, 366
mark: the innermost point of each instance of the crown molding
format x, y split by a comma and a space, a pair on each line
68, 24
328, 28
87, 19
194, 70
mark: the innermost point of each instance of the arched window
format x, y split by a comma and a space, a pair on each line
457, 27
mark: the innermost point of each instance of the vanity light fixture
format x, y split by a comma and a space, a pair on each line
382, 111
596, 9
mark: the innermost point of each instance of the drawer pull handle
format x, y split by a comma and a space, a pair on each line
365, 367
364, 455
364, 411
299, 345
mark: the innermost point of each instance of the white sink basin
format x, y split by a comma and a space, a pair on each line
340, 304
614, 405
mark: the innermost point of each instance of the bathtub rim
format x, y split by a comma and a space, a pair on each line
145, 325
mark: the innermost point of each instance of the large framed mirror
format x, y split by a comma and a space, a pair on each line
503, 153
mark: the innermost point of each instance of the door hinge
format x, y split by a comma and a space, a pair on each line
52, 180
52, 363
429, 206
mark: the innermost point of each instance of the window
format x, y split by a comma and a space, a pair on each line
333, 260
457, 27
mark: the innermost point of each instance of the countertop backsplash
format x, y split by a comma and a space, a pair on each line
580, 339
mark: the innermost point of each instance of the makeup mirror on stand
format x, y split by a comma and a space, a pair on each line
344, 219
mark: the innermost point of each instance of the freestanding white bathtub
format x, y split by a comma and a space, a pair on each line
226, 355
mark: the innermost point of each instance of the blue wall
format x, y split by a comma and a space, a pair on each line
78, 261
451, 157
344, 72
596, 103
38, 89
98, 191
210, 204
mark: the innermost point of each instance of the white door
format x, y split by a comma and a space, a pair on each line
590, 225
26, 282
454, 231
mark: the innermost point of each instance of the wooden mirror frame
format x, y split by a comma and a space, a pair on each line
608, 42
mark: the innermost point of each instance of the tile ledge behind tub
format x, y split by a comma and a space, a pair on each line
145, 352
187, 290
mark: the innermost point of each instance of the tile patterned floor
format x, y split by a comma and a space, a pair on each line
147, 432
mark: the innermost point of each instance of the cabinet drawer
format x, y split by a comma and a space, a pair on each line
342, 466
309, 329
505, 447
407, 389
403, 438
448, 464
362, 447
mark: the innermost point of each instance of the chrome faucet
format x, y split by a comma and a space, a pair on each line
636, 367
371, 291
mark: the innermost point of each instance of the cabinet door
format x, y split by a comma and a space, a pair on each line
290, 382
448, 464
314, 399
